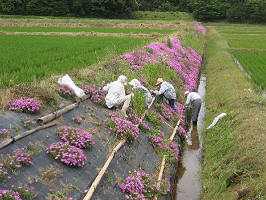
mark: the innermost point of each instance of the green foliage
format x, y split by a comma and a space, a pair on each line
155, 119
78, 8
138, 102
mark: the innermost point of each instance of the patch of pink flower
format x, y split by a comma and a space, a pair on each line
140, 185
122, 128
76, 137
30, 105
67, 154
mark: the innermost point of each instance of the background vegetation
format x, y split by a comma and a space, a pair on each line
252, 11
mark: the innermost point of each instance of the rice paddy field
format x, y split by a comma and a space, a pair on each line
248, 45
28, 58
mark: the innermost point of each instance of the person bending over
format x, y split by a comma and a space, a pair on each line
137, 86
167, 91
195, 99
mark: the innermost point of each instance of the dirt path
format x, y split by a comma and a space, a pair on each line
130, 35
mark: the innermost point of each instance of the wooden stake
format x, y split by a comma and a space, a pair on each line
101, 173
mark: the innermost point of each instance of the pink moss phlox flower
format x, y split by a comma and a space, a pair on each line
140, 185
133, 116
201, 28
185, 61
23, 156
66, 91
97, 94
9, 194
29, 105
122, 128
76, 137
5, 131
67, 154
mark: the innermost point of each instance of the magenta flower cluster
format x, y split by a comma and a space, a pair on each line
30, 105
9, 194
66, 92
76, 137
23, 156
67, 154
122, 128
27, 123
78, 119
201, 28
185, 62
20, 157
97, 94
166, 146
5, 133
133, 116
140, 185
25, 191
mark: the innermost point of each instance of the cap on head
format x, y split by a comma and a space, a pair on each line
134, 82
159, 81
122, 79
186, 93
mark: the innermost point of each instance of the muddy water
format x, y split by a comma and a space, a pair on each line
189, 183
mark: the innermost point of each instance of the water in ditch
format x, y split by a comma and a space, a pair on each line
189, 184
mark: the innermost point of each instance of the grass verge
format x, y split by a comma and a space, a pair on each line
233, 165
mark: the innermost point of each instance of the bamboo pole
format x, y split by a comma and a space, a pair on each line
6, 142
104, 168
43, 120
25, 134
164, 157
22, 135
101, 173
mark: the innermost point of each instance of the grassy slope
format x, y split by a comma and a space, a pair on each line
233, 162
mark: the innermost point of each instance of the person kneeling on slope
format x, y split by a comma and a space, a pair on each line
116, 94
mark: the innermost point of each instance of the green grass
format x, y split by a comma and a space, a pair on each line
233, 148
24, 58
75, 29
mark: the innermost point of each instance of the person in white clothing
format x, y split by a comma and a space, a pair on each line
116, 95
137, 86
195, 99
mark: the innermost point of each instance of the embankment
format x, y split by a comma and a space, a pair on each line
233, 163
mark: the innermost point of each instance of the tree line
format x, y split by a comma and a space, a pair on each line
252, 11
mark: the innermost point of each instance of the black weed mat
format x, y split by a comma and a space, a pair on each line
75, 182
